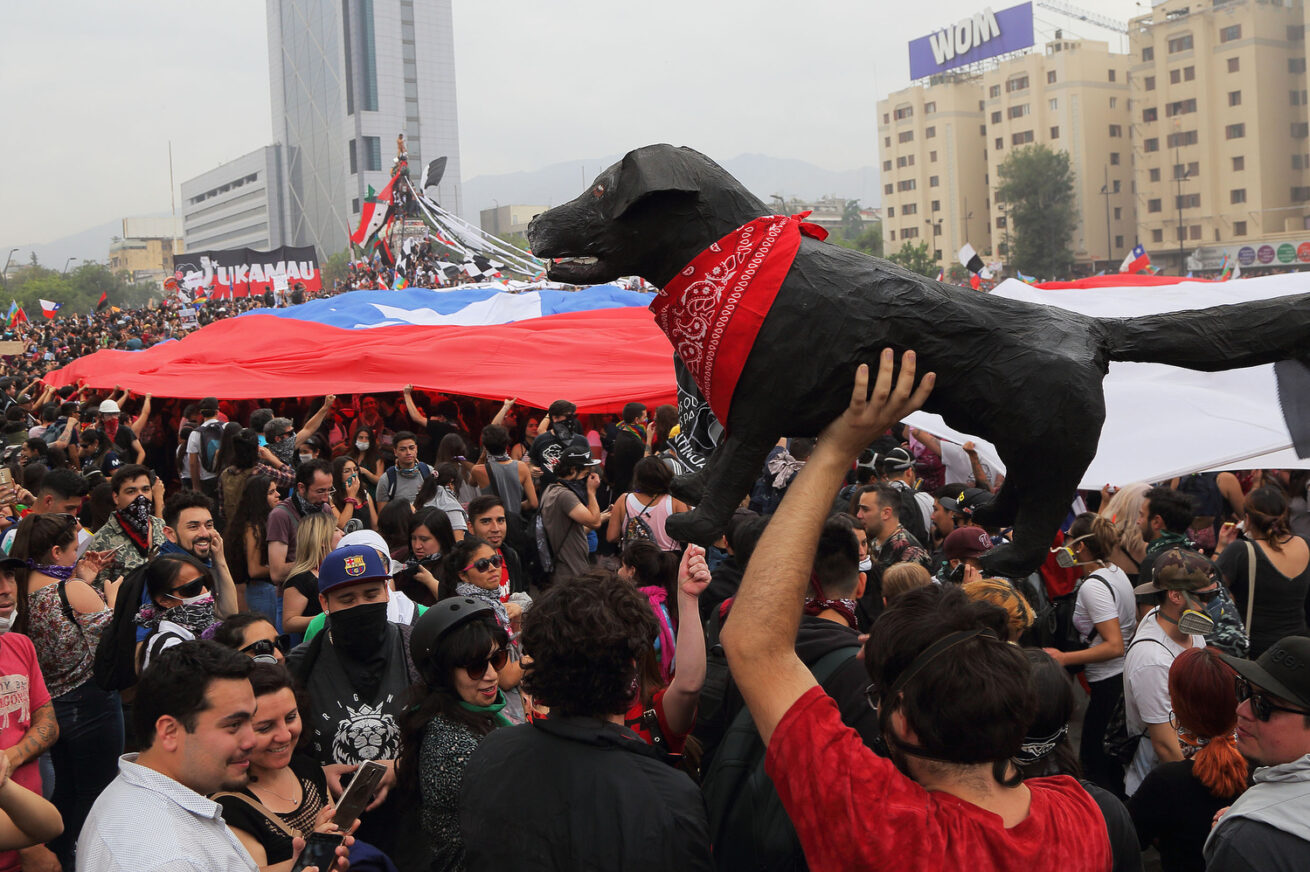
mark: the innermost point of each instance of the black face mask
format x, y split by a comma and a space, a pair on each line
359, 630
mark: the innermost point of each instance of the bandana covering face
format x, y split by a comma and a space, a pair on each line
465, 588
304, 506
198, 617
135, 521
713, 309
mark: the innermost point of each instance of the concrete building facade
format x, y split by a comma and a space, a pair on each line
933, 156
508, 219
238, 204
346, 79
145, 250
1221, 141
1073, 96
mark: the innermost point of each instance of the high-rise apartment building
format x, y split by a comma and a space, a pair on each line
1220, 132
934, 167
346, 78
1073, 97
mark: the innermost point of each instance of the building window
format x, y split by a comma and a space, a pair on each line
982, 129
1239, 163
1295, 33
1296, 65
1114, 186
1112, 73
886, 166
1228, 34
891, 211
1016, 83
937, 231
1054, 104
1156, 235
1189, 73
903, 112
372, 153
1153, 205
999, 143
932, 157
1175, 76
1239, 228
1150, 113
1297, 163
1116, 130
1021, 138
369, 56
1118, 213
1114, 101
354, 158
1190, 171
887, 189
932, 182
910, 233
1186, 137
906, 185
1114, 158
1194, 231
887, 141
1000, 222
1180, 43
1234, 98
929, 132
354, 206
1180, 107
1154, 174
1017, 111
1300, 195
1150, 144
996, 117
930, 107
909, 209
886, 118
1187, 201
936, 205
1237, 195
994, 91
1148, 53
893, 235
1148, 83
1118, 242
905, 160
1050, 77
906, 136
1235, 131
1234, 64
1300, 130
1055, 133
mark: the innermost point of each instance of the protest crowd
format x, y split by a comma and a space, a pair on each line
219, 613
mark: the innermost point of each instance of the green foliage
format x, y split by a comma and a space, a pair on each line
852, 223
916, 258
77, 290
957, 273
868, 240
1036, 183
334, 268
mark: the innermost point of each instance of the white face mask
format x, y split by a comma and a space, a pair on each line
866, 564
305, 458
6, 622
362, 446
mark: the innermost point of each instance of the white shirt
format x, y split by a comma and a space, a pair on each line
193, 447
145, 821
1146, 691
1096, 603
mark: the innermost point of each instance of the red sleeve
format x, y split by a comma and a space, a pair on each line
828, 781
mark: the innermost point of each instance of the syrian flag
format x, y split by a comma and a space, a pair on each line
374, 213
1136, 260
48, 308
103, 301
970, 260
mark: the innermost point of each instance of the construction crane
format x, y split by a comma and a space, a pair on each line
1084, 15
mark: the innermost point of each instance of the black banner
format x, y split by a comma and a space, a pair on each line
240, 272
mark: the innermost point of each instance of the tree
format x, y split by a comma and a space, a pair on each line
852, 222
916, 258
1036, 183
957, 273
334, 268
868, 241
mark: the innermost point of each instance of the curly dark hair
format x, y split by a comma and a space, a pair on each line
586, 638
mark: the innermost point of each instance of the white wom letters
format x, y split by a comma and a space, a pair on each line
959, 38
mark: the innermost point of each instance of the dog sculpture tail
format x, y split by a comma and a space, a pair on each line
1259, 332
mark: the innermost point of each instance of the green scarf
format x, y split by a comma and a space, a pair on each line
1167, 540
495, 709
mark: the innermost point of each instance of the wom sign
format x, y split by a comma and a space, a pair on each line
978, 37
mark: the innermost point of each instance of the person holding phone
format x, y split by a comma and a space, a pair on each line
287, 794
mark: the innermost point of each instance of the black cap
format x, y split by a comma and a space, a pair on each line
967, 501
439, 620
1283, 669
208, 404
12, 563
896, 460
576, 457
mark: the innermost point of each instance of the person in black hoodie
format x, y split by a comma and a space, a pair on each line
744, 530
586, 792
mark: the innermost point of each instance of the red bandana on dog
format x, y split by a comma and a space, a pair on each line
712, 310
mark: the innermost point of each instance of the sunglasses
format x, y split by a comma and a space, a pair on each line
1204, 596
188, 590
496, 661
264, 647
1261, 707
482, 564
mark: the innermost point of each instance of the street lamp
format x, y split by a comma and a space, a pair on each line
5, 272
67, 262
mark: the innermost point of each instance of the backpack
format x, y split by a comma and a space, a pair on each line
211, 439
392, 475
749, 829
115, 659
637, 528
1053, 625
539, 556
179, 456
1116, 742
720, 700
910, 515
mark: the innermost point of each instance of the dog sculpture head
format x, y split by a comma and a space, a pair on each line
647, 215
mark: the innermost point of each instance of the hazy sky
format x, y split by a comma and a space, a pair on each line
92, 91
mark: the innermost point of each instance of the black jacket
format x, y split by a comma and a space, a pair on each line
621, 460
581, 794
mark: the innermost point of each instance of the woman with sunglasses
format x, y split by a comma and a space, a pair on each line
252, 635
472, 568
180, 591
459, 650
1177, 801
64, 616
1105, 616
287, 796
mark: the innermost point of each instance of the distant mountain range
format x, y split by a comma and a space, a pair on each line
548, 186
761, 174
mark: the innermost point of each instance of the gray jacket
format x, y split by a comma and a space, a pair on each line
1268, 827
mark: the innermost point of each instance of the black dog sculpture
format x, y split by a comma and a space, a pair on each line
1026, 377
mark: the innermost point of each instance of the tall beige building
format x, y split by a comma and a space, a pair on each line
934, 168
1073, 97
1220, 135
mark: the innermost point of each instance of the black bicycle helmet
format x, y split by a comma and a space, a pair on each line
440, 620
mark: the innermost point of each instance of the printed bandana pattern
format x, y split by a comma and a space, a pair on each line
713, 309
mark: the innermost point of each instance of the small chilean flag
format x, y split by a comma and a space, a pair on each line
1136, 261
48, 308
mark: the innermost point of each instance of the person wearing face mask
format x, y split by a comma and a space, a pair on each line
124, 440
65, 617
181, 602
356, 674
367, 456
313, 493
406, 477
133, 533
